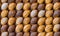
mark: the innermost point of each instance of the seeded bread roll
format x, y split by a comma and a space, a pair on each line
56, 6
12, 6
4, 6
4, 13
41, 7
19, 13
48, 1
57, 34
19, 34
27, 28
26, 20
4, 21
41, 21
25, 1
34, 28
4, 1
19, 6
26, 13
12, 34
56, 20
19, 28
10, 1
49, 13
48, 28
11, 13
49, 6
18, 1
19, 20
4, 28
56, 13
50, 34
26, 6
56, 28
33, 20
49, 20
4, 34
33, 1
41, 28
42, 34
33, 13
11, 21
33, 34
40, 1
34, 6
41, 13
26, 34
11, 28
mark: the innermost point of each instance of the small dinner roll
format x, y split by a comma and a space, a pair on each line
12, 6
26, 13
49, 20
11, 13
11, 28
4, 34
27, 28
41, 34
19, 20
41, 28
57, 34
33, 13
54, 1
4, 21
19, 28
11, 21
19, 6
34, 28
48, 28
26, 20
56, 28
33, 1
41, 21
33, 34
48, 1
26, 6
4, 13
56, 6
41, 13
25, 1
19, 13
40, 1
56, 20
4, 6
10, 1
49, 13
12, 34
18, 1
49, 6
19, 34
4, 1
26, 34
50, 34
34, 6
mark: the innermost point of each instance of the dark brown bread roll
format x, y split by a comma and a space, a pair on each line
12, 34
40, 6
4, 28
19, 34
33, 20
19, 13
11, 13
26, 34
56, 13
11, 28
17, 1
54, 1
32, 1
10, 1
34, 28
33, 34
57, 34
